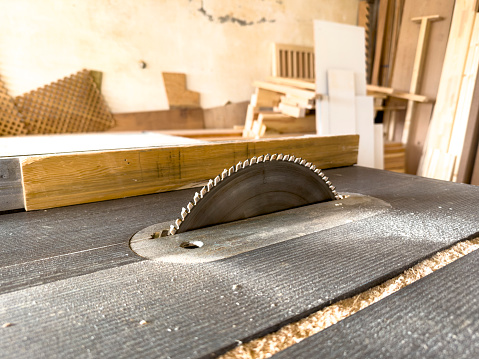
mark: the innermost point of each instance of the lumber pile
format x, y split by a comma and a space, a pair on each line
281, 106
422, 69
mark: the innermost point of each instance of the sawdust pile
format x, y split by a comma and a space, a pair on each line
295, 332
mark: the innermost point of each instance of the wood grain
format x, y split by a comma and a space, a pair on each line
61, 180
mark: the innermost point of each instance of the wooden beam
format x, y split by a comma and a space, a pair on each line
285, 124
61, 180
302, 84
397, 94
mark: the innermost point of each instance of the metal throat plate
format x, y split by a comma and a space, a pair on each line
226, 240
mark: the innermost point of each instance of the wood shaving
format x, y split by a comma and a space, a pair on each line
293, 333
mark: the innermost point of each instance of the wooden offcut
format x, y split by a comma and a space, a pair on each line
70, 105
177, 92
61, 180
280, 123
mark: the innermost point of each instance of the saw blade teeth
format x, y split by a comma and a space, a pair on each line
217, 180
292, 159
189, 206
203, 191
267, 157
304, 163
286, 158
280, 157
274, 157
260, 159
196, 198
231, 170
253, 161
246, 163
329, 183
172, 230
184, 213
224, 174
210, 185
177, 223
331, 187
298, 160
325, 178
313, 168
239, 166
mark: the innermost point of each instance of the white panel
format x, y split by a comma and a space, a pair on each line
339, 46
365, 127
342, 106
322, 116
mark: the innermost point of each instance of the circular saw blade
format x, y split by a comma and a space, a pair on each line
255, 187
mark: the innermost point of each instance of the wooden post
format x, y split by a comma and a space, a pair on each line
425, 22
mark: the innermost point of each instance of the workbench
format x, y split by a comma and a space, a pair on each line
71, 287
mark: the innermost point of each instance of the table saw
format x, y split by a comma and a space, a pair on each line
76, 282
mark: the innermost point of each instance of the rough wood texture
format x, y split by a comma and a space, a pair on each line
11, 122
185, 118
177, 93
72, 104
54, 181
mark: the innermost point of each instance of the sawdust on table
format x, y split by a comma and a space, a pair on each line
293, 333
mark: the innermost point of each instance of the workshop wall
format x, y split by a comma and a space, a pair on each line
222, 45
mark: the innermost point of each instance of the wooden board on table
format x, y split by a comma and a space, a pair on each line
61, 180
285, 89
381, 27
186, 118
440, 128
177, 92
292, 110
339, 46
342, 103
299, 83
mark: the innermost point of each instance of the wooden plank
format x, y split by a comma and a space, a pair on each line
397, 94
286, 90
293, 111
462, 118
185, 118
297, 101
379, 146
302, 84
11, 191
266, 98
285, 124
177, 92
440, 129
61, 180
342, 106
339, 46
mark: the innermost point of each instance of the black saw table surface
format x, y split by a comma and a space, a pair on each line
71, 287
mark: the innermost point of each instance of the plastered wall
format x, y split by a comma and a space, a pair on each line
222, 45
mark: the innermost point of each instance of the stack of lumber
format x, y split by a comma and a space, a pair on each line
281, 106
452, 137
